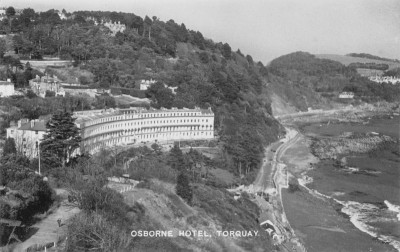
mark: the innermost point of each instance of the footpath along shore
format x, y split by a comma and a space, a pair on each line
270, 180
281, 181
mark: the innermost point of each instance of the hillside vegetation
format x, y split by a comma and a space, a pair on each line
395, 72
178, 190
369, 56
207, 74
347, 60
305, 80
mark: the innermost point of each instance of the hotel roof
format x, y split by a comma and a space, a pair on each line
88, 115
37, 126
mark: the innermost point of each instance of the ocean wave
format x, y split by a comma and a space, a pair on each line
337, 194
393, 208
360, 213
355, 170
304, 180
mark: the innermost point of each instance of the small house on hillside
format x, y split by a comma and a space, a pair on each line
145, 84
346, 95
40, 85
6, 88
27, 135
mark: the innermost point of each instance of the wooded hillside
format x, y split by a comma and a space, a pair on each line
307, 81
207, 74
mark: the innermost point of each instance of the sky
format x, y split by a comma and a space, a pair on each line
267, 29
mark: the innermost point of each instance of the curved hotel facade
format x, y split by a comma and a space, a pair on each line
113, 127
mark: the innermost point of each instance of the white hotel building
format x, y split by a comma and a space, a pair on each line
113, 127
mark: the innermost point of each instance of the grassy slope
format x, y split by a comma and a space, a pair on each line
213, 209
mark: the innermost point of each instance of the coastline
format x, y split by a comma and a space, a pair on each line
315, 217
335, 215
356, 219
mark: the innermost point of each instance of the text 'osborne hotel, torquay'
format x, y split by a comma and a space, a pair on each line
113, 127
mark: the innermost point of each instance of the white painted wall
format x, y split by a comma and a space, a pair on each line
6, 89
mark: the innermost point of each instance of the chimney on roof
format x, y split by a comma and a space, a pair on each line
32, 123
8, 80
19, 123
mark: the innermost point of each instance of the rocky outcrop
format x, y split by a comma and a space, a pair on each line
330, 148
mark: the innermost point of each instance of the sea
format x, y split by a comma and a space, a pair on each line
367, 186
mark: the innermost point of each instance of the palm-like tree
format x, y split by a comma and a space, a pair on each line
10, 12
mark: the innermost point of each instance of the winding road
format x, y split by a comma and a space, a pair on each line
271, 179
268, 174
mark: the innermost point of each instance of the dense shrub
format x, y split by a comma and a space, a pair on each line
183, 188
91, 231
33, 194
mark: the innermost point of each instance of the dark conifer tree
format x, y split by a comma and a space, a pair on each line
10, 13
176, 160
62, 139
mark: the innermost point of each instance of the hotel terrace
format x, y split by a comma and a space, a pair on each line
114, 127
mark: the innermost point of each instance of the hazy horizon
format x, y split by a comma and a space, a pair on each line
268, 29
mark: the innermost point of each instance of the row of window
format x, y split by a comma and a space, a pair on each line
12, 132
118, 125
157, 129
145, 115
148, 130
94, 143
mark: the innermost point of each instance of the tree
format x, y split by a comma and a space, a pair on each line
27, 16
175, 158
205, 59
104, 101
62, 139
3, 48
30, 94
104, 71
157, 148
10, 13
148, 23
183, 188
50, 93
250, 60
9, 147
21, 80
226, 51
15, 173
160, 95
